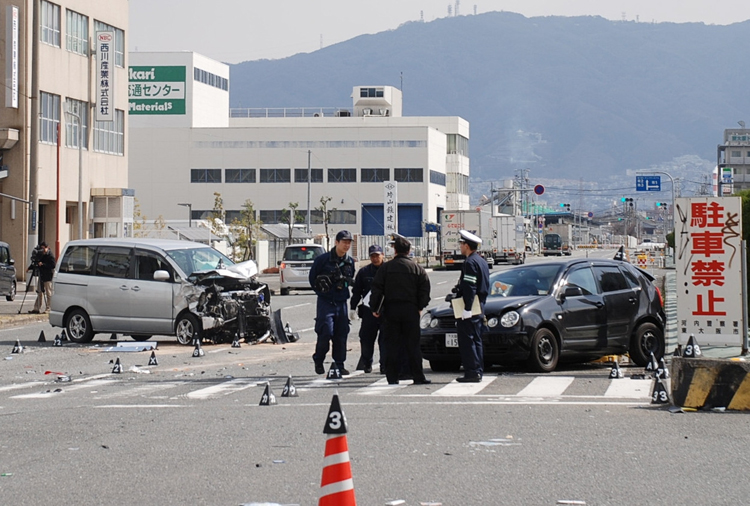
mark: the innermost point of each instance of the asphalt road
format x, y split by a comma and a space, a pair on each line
190, 430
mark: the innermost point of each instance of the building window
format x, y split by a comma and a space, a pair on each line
77, 33
342, 175
49, 118
316, 217
239, 175
205, 175
736, 154
210, 79
457, 183
275, 175
50, 23
232, 216
109, 136
339, 217
371, 92
437, 177
300, 175
457, 145
72, 125
271, 216
408, 175
375, 175
119, 41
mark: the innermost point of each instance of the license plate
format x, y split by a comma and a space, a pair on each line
451, 340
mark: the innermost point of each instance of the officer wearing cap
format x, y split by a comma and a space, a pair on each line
370, 329
400, 290
474, 282
331, 275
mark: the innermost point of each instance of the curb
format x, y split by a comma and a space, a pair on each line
8, 321
705, 383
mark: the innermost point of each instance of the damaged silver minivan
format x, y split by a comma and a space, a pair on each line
145, 287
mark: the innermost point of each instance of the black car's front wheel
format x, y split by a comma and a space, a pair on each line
544, 351
648, 339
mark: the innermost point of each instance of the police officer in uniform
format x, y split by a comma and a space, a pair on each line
400, 290
370, 329
331, 275
474, 282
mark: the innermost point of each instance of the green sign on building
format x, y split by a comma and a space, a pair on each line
156, 90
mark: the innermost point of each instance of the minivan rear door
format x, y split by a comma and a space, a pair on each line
109, 291
151, 307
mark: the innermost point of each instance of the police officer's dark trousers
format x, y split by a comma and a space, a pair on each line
368, 334
470, 345
402, 326
331, 325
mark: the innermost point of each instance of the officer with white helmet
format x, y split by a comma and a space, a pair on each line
473, 283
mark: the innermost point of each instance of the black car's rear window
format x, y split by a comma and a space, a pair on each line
302, 253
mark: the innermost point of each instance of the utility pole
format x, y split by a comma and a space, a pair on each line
33, 237
309, 181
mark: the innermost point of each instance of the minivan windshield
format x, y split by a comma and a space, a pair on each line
199, 259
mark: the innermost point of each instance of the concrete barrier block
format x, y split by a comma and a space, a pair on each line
706, 383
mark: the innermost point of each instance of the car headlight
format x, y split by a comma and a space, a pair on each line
425, 321
510, 319
492, 322
433, 323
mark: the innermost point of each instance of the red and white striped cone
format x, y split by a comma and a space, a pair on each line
336, 485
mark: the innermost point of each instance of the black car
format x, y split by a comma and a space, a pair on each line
7, 273
542, 313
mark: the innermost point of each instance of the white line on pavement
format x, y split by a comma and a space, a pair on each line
552, 386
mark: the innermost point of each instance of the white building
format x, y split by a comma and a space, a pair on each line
186, 152
37, 131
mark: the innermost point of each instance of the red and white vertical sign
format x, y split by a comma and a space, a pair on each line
390, 207
105, 75
708, 261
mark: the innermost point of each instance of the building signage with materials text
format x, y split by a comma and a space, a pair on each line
708, 261
156, 90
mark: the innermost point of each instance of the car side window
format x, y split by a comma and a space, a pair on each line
4, 256
584, 279
78, 260
630, 277
113, 262
147, 263
610, 278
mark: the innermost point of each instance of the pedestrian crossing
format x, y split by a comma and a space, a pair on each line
520, 388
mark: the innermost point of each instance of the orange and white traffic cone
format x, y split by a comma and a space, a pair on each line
336, 485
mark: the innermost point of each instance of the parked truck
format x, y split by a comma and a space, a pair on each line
478, 222
557, 239
509, 239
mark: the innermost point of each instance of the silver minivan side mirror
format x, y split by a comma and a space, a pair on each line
161, 275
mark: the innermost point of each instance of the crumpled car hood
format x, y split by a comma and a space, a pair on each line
240, 272
494, 305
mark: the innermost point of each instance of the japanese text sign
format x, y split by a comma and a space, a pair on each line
708, 262
156, 90
105, 76
390, 207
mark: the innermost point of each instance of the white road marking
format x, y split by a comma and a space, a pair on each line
456, 389
629, 389
297, 305
22, 385
143, 406
141, 390
381, 387
65, 387
546, 386
224, 388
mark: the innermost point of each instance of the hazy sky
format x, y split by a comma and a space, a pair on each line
238, 30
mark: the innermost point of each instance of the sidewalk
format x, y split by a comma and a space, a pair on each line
9, 311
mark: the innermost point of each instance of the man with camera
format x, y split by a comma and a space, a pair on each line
331, 275
42, 267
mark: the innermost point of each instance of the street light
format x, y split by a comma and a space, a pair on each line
190, 214
76, 114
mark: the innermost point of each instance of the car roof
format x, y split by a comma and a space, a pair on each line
165, 244
304, 246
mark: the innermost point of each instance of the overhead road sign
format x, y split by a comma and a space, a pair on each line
648, 183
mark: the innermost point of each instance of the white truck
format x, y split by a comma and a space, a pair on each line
509, 239
478, 223
558, 239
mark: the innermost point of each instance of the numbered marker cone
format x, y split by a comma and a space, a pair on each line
692, 348
662, 372
198, 351
336, 485
63, 335
41, 339
659, 394
152, 360
677, 352
17, 348
113, 337
268, 398
616, 372
652, 365
236, 342
334, 373
117, 369
620, 255
289, 389
57, 341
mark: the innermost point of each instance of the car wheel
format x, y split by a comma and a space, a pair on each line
445, 365
78, 327
544, 351
285, 291
187, 329
12, 295
141, 337
648, 338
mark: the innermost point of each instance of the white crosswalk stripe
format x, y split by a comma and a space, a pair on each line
225, 388
629, 389
547, 386
456, 389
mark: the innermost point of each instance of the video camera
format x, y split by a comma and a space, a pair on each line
324, 283
453, 295
36, 257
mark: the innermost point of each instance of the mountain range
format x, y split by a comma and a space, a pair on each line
580, 100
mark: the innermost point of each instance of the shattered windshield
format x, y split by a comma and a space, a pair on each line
523, 281
199, 259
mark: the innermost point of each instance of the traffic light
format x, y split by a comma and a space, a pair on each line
661, 204
565, 206
627, 201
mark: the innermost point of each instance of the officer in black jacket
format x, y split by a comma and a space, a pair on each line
400, 290
474, 282
370, 328
331, 275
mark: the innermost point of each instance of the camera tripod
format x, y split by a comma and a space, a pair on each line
34, 274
